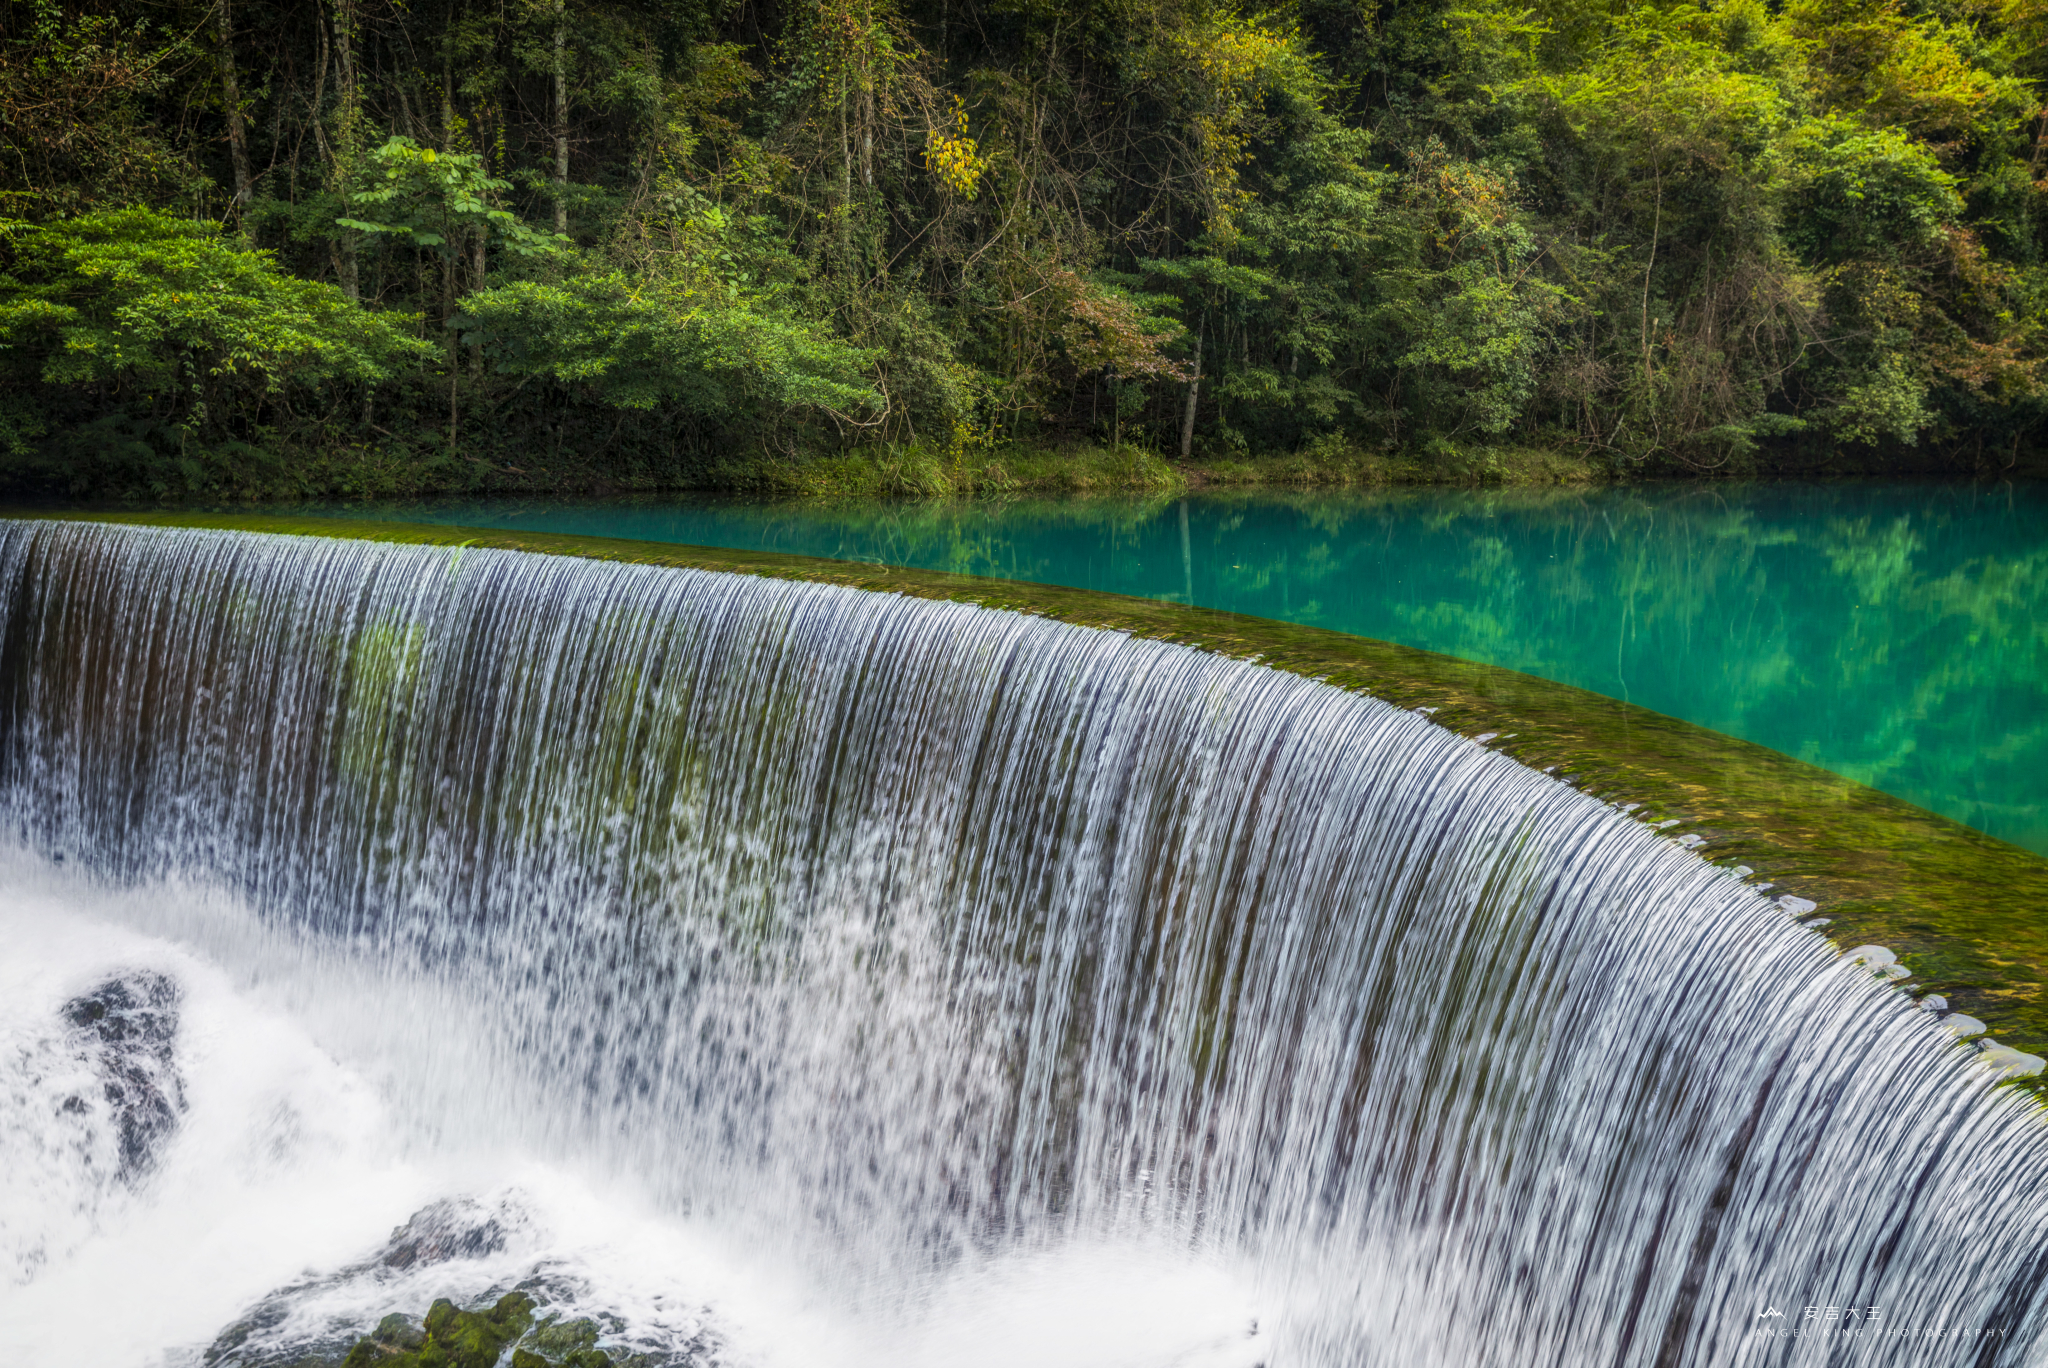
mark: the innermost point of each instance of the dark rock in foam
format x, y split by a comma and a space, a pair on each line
128, 1027
456, 1228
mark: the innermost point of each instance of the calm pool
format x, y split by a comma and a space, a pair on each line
1893, 633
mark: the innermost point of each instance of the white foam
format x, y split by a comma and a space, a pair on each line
281, 1158
290, 1162
1092, 1306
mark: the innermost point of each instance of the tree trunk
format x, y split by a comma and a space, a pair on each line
561, 117
348, 136
845, 182
454, 264
1649, 370
231, 95
476, 282
1187, 421
322, 57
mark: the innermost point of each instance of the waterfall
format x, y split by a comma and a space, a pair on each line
899, 940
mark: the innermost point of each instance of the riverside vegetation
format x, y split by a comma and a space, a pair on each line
357, 247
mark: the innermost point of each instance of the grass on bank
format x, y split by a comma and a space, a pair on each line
125, 471
911, 470
914, 470
115, 467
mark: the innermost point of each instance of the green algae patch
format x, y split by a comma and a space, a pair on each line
451, 1338
1965, 912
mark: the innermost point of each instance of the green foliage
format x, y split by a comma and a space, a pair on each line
1871, 193
641, 244
178, 311
1476, 312
442, 202
138, 351
639, 343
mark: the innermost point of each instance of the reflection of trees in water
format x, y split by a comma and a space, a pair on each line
1001, 536
1897, 635
1960, 642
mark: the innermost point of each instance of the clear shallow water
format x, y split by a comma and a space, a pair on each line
1895, 633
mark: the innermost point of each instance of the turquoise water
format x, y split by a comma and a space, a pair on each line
1893, 633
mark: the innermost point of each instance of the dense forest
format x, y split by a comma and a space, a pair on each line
365, 246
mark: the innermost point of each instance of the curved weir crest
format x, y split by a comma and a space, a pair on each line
918, 948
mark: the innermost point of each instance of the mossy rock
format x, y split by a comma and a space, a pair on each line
581, 1358
451, 1338
559, 1339
398, 1332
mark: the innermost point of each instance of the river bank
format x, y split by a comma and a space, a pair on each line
498, 464
920, 472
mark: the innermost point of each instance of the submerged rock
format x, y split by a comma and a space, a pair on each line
560, 1340
2007, 1062
458, 1228
248, 1343
1963, 1027
569, 1344
492, 1329
441, 1232
128, 1027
